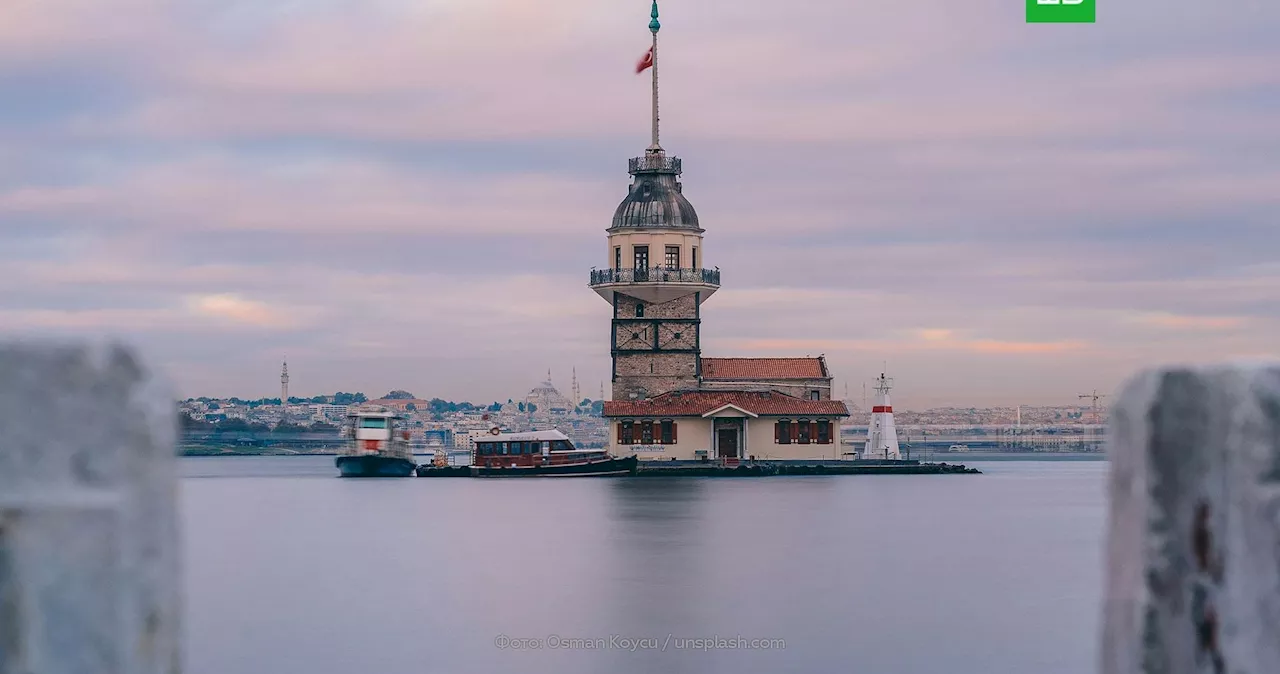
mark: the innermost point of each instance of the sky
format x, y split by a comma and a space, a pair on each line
410, 194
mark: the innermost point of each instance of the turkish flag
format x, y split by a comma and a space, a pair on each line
645, 62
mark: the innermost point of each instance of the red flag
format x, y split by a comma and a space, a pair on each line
645, 62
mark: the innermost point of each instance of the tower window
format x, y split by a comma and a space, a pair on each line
814, 395
641, 257
617, 257
639, 310
694, 261
673, 257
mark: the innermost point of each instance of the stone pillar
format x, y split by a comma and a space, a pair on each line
1193, 550
88, 524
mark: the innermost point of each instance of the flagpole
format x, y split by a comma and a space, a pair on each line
653, 28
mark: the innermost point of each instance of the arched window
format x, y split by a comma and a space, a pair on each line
646, 432
626, 433
668, 431
802, 432
639, 310
824, 432
782, 432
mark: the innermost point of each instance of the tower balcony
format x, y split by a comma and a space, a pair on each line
655, 285
654, 163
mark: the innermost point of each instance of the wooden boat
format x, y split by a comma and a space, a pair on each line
543, 454
379, 445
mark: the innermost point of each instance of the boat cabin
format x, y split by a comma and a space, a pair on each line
534, 448
378, 431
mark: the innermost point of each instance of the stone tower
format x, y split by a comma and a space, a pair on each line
655, 279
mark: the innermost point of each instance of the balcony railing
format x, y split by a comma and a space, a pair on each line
655, 163
655, 275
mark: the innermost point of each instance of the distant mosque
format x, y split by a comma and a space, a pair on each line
546, 398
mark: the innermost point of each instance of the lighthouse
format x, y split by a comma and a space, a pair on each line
882, 437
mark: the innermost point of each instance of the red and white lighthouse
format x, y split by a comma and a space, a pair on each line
882, 437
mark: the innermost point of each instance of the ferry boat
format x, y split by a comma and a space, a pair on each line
543, 454
379, 446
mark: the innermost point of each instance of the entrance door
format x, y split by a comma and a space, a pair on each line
727, 443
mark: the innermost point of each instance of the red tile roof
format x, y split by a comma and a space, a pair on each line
741, 369
698, 403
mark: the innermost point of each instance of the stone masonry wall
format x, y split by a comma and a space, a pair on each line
654, 373
684, 307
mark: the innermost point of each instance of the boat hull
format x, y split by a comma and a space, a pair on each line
612, 467
374, 466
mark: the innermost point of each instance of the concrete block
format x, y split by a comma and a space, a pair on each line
1193, 548
89, 580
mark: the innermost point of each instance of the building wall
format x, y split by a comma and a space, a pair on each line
760, 442
694, 433
657, 240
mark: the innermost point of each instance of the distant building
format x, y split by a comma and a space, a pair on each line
402, 404
323, 412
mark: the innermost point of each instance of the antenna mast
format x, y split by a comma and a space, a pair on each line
654, 26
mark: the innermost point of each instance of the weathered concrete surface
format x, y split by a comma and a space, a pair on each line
88, 528
1193, 559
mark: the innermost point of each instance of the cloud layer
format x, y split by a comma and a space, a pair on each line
409, 194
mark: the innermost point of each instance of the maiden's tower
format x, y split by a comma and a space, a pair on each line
669, 401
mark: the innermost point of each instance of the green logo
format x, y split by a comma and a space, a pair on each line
1062, 11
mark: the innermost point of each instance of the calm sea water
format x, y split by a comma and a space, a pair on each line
289, 569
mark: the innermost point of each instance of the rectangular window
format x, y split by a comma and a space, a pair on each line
626, 433
373, 423
694, 262
824, 432
814, 395
802, 432
641, 257
617, 257
782, 431
668, 431
673, 257
646, 432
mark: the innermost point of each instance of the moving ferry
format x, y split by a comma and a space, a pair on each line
542, 454
379, 445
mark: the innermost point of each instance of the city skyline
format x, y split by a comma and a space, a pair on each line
410, 195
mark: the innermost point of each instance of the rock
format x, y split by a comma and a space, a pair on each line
1193, 548
88, 523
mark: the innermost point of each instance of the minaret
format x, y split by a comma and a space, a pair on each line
882, 437
284, 386
655, 280
577, 392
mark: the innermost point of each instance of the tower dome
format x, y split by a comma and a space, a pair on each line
655, 198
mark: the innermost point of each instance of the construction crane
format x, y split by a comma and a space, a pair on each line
1095, 397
